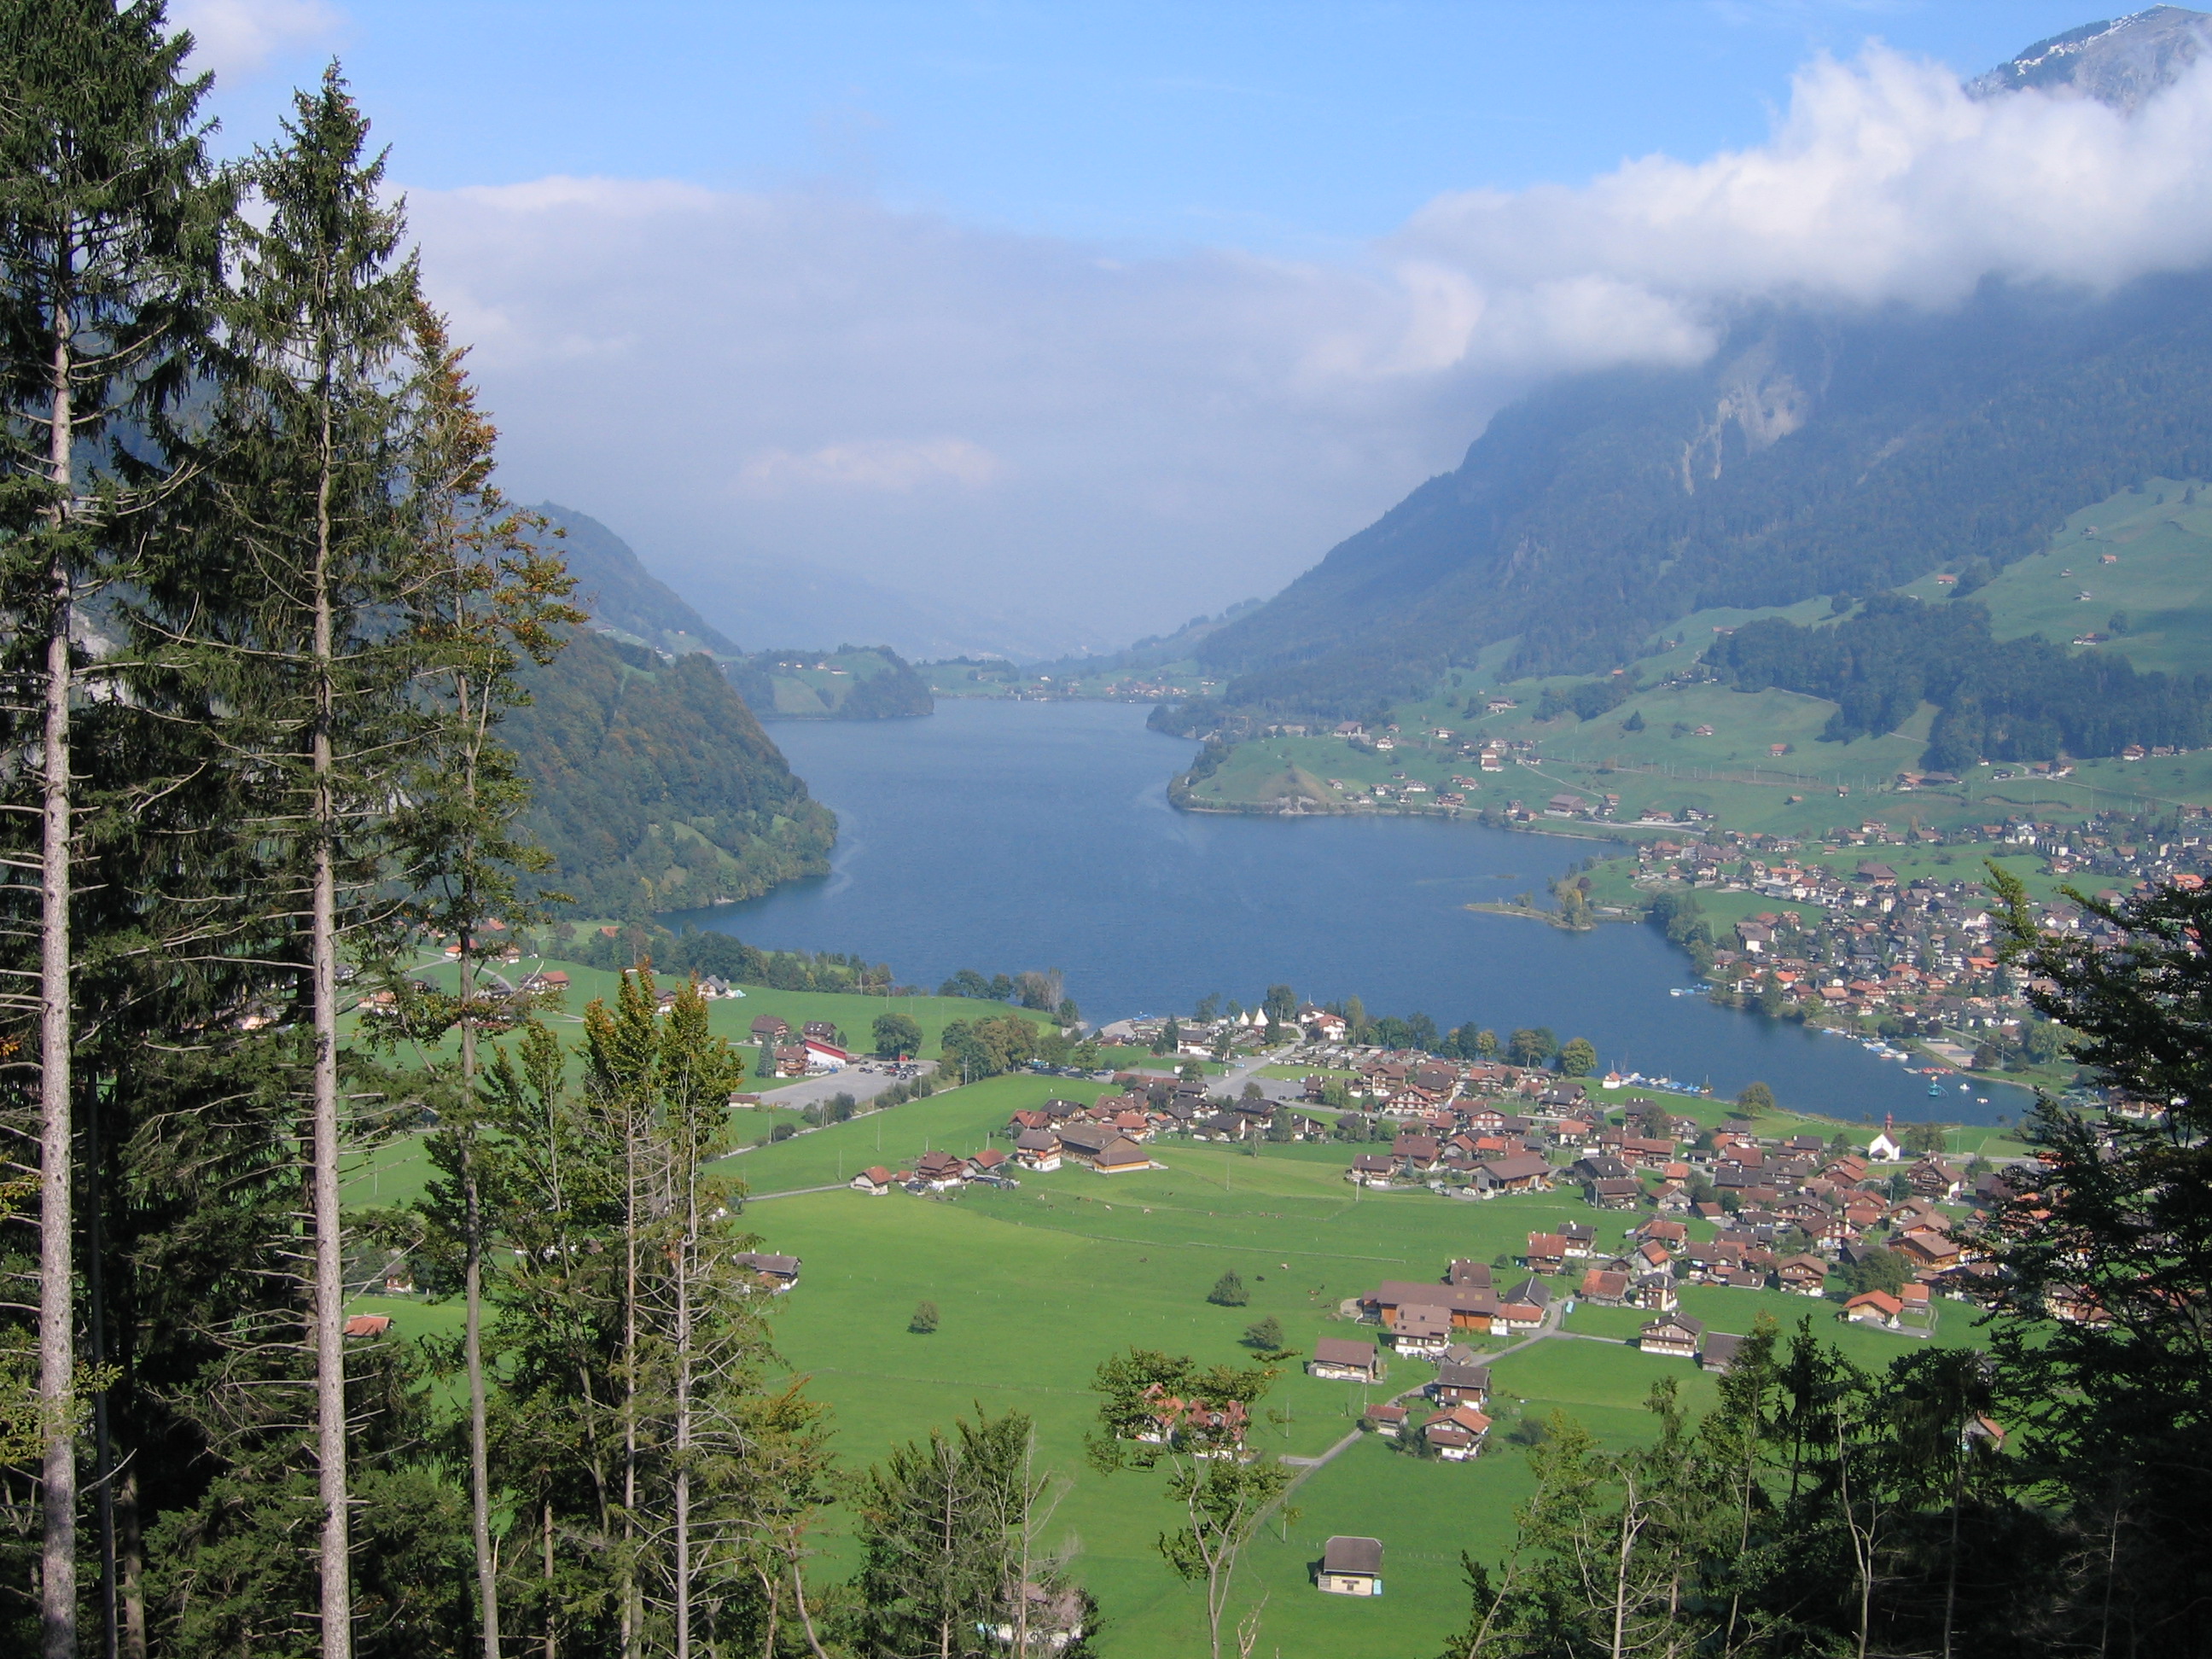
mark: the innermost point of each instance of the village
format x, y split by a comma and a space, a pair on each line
1901, 957
1882, 1230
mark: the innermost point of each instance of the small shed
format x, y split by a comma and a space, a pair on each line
1352, 1566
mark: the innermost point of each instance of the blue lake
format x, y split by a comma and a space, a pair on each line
1003, 836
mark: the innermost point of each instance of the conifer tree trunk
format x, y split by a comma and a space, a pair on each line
57, 1218
329, 1224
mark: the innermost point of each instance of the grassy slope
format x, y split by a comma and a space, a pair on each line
1038, 1285
2162, 578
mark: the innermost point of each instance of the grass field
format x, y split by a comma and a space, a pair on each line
1037, 1285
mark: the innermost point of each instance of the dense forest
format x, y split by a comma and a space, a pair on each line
2012, 700
1813, 454
654, 786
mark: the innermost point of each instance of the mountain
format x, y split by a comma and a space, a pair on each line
621, 594
1818, 452
2119, 62
655, 788
1813, 454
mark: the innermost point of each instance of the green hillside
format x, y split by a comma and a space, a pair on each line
654, 786
1039, 1283
1812, 454
621, 594
2144, 556
853, 683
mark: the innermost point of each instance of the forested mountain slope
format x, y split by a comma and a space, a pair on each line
620, 593
655, 787
1812, 454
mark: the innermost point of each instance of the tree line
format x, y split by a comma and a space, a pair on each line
1997, 699
267, 624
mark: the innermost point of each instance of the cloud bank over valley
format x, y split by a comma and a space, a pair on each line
1081, 446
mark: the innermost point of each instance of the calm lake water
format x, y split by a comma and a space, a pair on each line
1003, 836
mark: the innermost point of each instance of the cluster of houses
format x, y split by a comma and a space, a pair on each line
815, 1049
1110, 1135
1450, 1421
938, 1173
1867, 943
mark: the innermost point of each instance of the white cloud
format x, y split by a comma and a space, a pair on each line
235, 38
1130, 442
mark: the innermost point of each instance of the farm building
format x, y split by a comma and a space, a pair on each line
1351, 1566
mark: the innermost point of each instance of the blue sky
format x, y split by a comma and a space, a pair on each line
1043, 326
1283, 127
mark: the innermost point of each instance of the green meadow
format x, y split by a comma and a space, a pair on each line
1037, 1285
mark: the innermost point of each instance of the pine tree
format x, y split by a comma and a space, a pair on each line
490, 600
314, 578
107, 242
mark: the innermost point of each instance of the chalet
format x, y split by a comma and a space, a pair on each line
1928, 1249
1531, 1289
1527, 1172
368, 1324
1669, 1236
940, 1171
1351, 1566
1421, 1329
1654, 1291
1120, 1156
1038, 1150
1419, 1153
1369, 1170
875, 1181
1385, 1418
1720, 1351
1805, 1275
820, 1030
989, 1163
551, 980
767, 1028
1083, 1142
790, 1061
1580, 1236
1618, 1193
1607, 1290
1514, 1314
1547, 1253
1327, 1027
1874, 1308
1473, 1275
1456, 1433
1676, 1335
781, 1273
1470, 1307
1339, 1360
1933, 1178
1459, 1385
